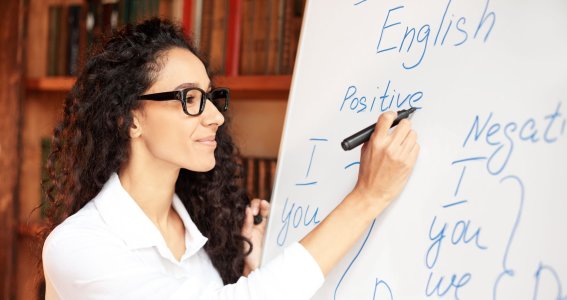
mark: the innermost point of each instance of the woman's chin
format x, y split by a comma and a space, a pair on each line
202, 166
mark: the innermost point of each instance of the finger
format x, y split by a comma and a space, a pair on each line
384, 123
409, 142
248, 222
255, 206
262, 215
264, 208
401, 132
410, 138
414, 154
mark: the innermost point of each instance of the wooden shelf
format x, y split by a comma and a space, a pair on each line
242, 87
256, 87
50, 84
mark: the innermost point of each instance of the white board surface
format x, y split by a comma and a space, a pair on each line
484, 215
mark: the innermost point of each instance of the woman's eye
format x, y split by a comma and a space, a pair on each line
193, 96
190, 100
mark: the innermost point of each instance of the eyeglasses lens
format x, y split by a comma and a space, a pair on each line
193, 98
218, 97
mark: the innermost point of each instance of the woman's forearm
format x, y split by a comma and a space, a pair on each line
386, 162
340, 230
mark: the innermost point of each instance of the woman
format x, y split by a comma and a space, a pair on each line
144, 200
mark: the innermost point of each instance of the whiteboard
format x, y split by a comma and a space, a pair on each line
484, 215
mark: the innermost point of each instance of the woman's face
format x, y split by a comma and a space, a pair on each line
168, 133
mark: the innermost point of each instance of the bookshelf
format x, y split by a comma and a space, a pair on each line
269, 79
261, 90
50, 83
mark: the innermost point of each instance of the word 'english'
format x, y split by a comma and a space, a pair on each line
451, 30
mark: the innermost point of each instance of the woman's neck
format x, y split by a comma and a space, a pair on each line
151, 184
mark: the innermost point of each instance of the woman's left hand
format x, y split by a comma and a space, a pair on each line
255, 233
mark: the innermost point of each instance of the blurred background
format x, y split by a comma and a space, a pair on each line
250, 44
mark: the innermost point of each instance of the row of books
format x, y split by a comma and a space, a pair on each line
72, 28
270, 33
259, 176
63, 45
105, 16
268, 38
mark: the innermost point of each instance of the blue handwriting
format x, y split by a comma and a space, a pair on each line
503, 136
296, 216
455, 32
390, 98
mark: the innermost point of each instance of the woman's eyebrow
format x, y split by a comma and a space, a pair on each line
186, 85
190, 85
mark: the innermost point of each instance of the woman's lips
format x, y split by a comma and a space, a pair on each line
208, 141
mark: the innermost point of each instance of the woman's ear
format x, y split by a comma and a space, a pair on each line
136, 128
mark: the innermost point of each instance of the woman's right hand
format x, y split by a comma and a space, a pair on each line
386, 162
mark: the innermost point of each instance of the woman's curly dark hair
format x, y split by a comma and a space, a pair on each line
92, 142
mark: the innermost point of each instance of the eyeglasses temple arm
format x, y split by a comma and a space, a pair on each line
175, 95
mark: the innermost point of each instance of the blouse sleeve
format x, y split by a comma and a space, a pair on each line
97, 269
294, 274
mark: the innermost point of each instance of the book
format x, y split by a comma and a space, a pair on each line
93, 21
260, 35
262, 175
176, 10
296, 21
195, 19
275, 35
204, 41
54, 28
246, 41
217, 40
251, 181
293, 15
74, 37
286, 43
233, 38
62, 42
109, 17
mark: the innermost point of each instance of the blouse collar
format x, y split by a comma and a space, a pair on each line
125, 218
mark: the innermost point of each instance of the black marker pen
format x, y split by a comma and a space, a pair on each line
363, 136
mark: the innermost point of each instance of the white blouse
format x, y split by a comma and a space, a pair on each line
111, 250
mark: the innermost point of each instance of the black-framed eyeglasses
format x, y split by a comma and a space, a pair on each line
194, 99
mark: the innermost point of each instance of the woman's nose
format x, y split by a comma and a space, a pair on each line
212, 115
